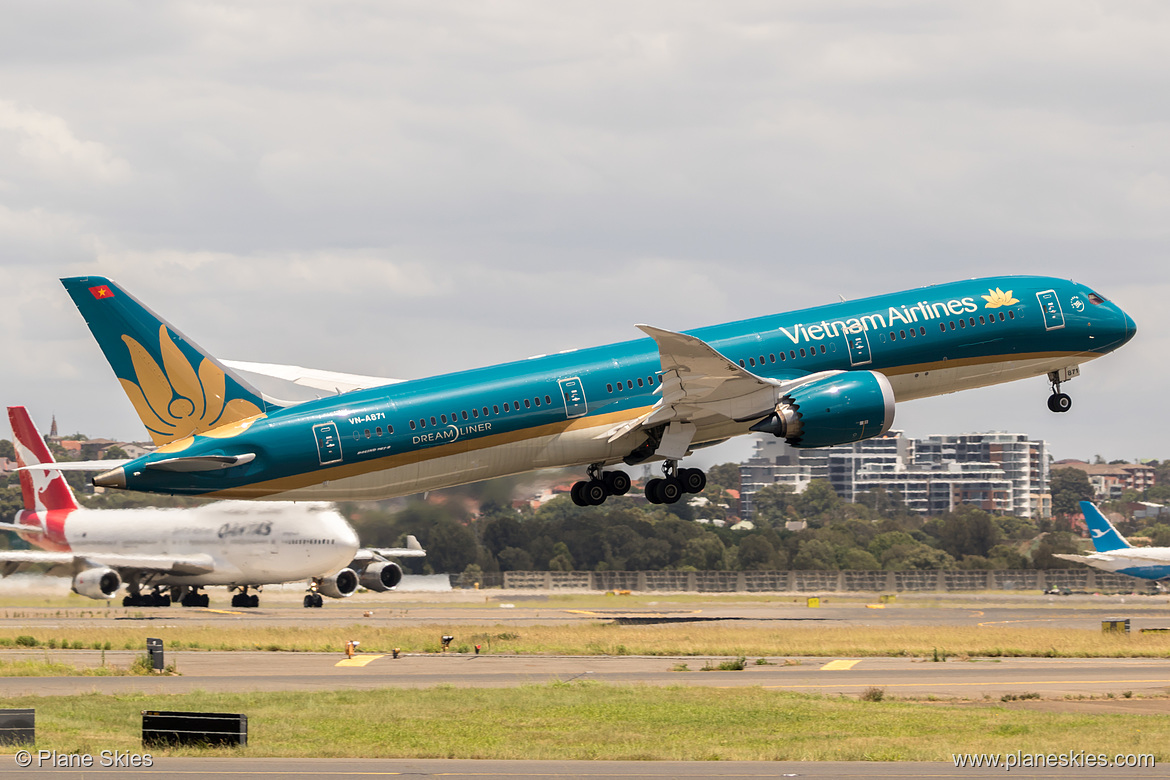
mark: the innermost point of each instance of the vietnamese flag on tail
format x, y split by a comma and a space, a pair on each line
101, 291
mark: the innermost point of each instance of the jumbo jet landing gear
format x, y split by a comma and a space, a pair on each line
1058, 401
156, 598
674, 483
599, 486
245, 601
193, 598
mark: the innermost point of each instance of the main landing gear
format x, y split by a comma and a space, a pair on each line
674, 483
1058, 401
599, 486
193, 598
245, 601
156, 598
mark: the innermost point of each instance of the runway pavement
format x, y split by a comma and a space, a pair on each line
271, 671
520, 608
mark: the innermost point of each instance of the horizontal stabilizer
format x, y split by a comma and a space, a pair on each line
298, 384
202, 462
78, 465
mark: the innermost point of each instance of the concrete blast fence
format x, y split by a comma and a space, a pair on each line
942, 580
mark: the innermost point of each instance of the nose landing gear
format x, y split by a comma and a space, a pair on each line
1058, 401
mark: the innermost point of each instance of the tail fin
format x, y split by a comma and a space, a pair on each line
42, 490
176, 387
1105, 536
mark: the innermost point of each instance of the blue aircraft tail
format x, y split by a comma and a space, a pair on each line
176, 387
1104, 535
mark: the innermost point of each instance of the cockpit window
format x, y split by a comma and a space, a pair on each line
1096, 299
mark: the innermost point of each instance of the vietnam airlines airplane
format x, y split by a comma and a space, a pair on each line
233, 543
1114, 553
816, 377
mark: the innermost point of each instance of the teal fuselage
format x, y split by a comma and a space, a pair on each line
554, 410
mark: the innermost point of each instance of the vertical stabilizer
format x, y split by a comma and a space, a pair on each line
176, 387
1104, 535
46, 489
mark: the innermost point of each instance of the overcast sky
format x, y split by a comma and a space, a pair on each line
408, 188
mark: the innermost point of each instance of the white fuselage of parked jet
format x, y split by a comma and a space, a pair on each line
232, 542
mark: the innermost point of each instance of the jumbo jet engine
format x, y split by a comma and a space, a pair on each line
340, 585
100, 583
381, 577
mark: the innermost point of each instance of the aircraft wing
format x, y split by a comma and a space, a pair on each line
412, 550
298, 383
13, 560
700, 383
77, 465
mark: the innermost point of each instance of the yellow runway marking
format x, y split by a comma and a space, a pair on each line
222, 611
967, 684
1026, 620
839, 666
359, 660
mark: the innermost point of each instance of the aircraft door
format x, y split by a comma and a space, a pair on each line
1050, 305
328, 443
574, 394
858, 344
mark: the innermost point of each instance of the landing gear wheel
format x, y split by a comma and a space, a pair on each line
594, 493
670, 490
617, 483
693, 480
575, 494
1059, 402
652, 491
318, 601
309, 601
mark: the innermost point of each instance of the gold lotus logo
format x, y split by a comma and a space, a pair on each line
174, 401
997, 297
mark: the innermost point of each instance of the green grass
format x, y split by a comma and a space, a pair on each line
47, 668
593, 721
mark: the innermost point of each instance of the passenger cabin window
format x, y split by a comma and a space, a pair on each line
772, 357
495, 409
1011, 315
464, 413
475, 412
742, 364
537, 400
422, 422
608, 387
527, 405
506, 407
802, 352
485, 411
639, 381
443, 417
548, 400
433, 422
412, 425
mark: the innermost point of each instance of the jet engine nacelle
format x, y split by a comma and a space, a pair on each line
839, 409
381, 577
339, 585
97, 583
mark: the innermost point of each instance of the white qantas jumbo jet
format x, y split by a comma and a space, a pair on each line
239, 544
